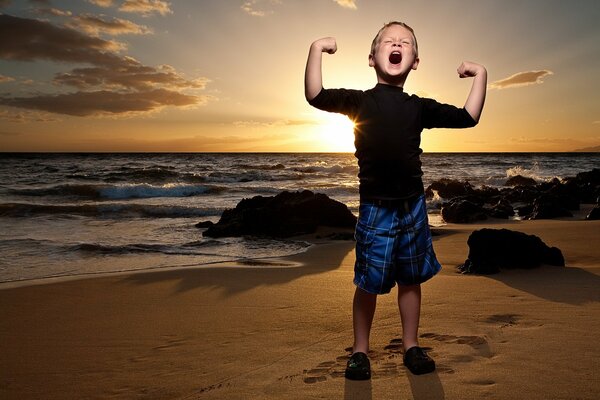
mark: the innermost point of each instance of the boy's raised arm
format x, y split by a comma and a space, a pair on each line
476, 98
313, 80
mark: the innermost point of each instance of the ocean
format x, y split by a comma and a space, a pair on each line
84, 214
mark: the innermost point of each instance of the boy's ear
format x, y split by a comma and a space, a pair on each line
416, 63
371, 60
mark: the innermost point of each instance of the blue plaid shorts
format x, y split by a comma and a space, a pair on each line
393, 245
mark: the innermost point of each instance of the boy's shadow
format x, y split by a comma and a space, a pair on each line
424, 387
427, 386
358, 390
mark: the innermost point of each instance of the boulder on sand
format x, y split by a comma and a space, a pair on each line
284, 215
493, 249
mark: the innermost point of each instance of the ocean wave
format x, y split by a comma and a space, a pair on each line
333, 169
534, 172
105, 210
266, 167
104, 249
120, 192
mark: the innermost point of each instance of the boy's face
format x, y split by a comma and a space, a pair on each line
395, 55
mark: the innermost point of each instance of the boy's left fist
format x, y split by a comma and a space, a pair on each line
469, 69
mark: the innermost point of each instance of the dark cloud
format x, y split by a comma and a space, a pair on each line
4, 3
521, 79
114, 84
137, 77
25, 39
103, 102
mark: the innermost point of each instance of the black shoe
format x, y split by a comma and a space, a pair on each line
358, 367
418, 362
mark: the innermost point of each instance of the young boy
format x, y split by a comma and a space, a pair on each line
393, 241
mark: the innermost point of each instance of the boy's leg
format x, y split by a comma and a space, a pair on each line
363, 310
409, 304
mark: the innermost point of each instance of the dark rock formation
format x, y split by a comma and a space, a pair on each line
548, 206
550, 199
594, 214
491, 250
462, 211
519, 180
204, 224
449, 188
502, 209
284, 215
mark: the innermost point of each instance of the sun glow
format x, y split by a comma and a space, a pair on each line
337, 133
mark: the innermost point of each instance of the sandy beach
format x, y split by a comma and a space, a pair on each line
281, 328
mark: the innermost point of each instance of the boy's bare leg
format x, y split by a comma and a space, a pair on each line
409, 304
363, 310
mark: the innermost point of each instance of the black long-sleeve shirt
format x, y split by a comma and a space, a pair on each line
387, 135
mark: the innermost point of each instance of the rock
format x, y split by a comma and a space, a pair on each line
462, 211
491, 250
549, 206
594, 214
524, 210
204, 224
519, 180
502, 209
286, 214
448, 188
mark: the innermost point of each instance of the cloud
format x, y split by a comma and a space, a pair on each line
4, 79
257, 8
4, 3
272, 123
521, 79
132, 76
114, 84
103, 102
347, 3
25, 39
102, 3
54, 12
95, 25
146, 7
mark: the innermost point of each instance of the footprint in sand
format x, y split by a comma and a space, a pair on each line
478, 343
384, 364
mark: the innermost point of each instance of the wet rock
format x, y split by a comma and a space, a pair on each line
519, 180
284, 215
491, 250
594, 214
204, 224
502, 209
548, 206
448, 188
462, 211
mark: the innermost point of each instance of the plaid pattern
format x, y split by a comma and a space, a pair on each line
393, 245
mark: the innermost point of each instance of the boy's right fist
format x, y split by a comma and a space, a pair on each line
326, 45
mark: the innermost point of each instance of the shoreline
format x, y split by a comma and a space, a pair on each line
254, 332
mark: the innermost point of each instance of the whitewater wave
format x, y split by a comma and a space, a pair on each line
534, 172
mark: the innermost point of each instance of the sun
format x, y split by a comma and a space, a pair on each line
336, 131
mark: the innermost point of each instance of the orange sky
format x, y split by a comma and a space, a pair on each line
153, 75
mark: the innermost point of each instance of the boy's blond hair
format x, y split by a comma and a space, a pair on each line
402, 24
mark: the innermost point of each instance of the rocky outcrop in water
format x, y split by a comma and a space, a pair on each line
531, 200
491, 250
284, 215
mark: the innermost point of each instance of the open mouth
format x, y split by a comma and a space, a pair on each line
395, 57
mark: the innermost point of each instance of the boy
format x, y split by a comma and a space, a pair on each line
393, 241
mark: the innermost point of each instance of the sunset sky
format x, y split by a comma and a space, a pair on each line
195, 75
